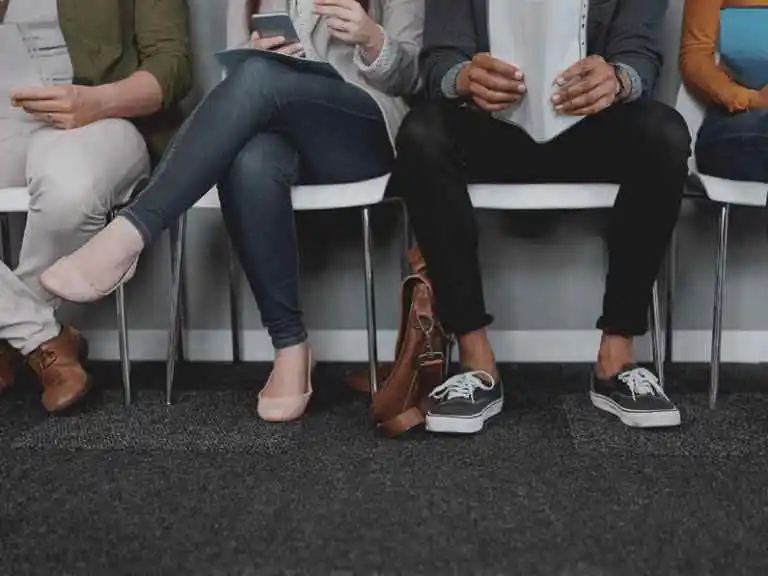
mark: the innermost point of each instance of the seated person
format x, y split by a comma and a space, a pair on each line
81, 145
626, 137
266, 127
733, 140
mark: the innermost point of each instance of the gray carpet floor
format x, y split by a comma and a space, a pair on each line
552, 487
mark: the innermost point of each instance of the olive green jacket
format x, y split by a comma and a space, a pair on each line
108, 40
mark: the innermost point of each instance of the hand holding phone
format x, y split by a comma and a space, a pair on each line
275, 32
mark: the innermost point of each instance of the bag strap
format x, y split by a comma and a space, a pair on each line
415, 416
4, 9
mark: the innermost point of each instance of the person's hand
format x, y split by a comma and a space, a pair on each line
587, 87
350, 23
492, 84
276, 44
64, 106
762, 98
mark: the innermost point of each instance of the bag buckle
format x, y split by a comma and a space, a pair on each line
429, 358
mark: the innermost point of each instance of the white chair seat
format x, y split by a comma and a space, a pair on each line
543, 196
323, 196
717, 189
734, 192
484, 196
14, 200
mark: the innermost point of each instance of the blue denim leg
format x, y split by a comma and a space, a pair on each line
321, 139
256, 204
245, 104
734, 146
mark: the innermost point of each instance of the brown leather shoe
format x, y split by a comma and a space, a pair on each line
9, 364
58, 365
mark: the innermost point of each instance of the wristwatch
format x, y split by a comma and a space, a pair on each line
624, 83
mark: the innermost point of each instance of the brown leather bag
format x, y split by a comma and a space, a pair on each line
421, 357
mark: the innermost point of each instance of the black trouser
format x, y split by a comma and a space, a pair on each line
643, 146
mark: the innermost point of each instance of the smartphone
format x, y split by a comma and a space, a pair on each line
272, 25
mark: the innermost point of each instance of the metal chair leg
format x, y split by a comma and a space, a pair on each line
122, 333
122, 337
370, 301
717, 312
234, 304
174, 328
655, 317
5, 238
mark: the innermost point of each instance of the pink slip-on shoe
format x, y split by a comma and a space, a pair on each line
285, 408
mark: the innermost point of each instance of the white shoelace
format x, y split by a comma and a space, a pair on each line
642, 382
463, 386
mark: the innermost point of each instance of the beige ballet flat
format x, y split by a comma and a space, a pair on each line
64, 281
285, 408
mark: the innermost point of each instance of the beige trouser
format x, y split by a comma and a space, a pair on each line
74, 178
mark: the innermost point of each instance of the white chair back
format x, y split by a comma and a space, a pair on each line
693, 112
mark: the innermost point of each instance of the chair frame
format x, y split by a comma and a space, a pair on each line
176, 288
176, 306
725, 194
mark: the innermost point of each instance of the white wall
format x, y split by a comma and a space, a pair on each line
544, 288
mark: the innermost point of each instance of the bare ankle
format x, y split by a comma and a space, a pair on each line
614, 354
476, 353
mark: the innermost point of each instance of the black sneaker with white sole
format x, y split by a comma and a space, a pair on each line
635, 396
464, 402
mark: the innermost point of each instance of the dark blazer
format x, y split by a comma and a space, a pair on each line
625, 31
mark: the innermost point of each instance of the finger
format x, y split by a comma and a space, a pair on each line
598, 106
490, 106
576, 88
580, 68
495, 81
493, 96
585, 100
329, 8
351, 6
292, 49
255, 36
270, 43
51, 119
45, 106
339, 25
496, 66
37, 93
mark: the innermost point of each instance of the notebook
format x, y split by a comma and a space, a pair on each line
229, 59
744, 45
542, 38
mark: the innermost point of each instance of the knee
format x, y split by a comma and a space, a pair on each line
665, 134
66, 199
258, 76
266, 164
423, 133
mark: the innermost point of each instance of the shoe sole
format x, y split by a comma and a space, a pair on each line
636, 418
463, 425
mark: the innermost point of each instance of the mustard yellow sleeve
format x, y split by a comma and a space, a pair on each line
700, 71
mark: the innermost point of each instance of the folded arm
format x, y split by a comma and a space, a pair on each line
698, 66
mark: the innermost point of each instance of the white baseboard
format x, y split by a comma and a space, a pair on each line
543, 346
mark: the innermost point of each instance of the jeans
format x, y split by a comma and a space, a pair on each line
734, 146
265, 128
441, 148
